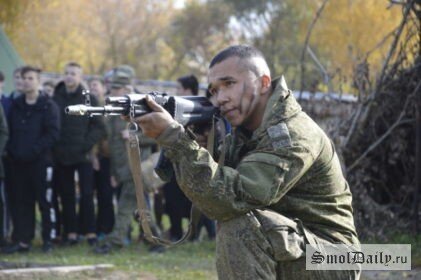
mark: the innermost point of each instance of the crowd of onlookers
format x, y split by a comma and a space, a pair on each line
75, 168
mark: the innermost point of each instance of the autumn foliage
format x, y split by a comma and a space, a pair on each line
163, 41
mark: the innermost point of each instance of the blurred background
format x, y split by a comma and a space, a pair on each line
354, 66
162, 39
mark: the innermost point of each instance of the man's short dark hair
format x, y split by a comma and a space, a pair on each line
50, 83
240, 51
30, 68
190, 82
73, 64
1, 77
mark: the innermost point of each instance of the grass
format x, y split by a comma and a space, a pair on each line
188, 261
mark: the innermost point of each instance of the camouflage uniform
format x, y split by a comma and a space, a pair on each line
280, 188
121, 171
119, 77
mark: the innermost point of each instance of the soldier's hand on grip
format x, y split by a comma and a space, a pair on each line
154, 123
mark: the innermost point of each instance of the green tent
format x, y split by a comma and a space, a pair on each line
9, 60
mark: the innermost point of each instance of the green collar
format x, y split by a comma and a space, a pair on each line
281, 106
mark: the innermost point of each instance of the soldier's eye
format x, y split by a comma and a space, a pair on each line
229, 83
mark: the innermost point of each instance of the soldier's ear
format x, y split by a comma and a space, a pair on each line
266, 83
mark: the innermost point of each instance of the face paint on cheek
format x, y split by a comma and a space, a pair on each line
245, 99
243, 91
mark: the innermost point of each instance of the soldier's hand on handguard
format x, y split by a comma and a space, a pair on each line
154, 123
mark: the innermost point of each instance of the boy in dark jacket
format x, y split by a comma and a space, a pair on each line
72, 153
34, 127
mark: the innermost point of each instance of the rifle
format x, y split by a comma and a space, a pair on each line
188, 110
185, 110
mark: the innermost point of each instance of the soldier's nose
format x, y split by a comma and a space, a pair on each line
221, 99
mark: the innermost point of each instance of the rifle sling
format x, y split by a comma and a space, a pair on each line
143, 211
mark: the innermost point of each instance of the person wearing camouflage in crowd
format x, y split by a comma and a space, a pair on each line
120, 82
281, 185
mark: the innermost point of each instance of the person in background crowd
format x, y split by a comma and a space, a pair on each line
6, 101
2, 78
121, 83
73, 153
18, 82
48, 87
187, 86
177, 205
52, 196
34, 128
3, 98
102, 174
4, 211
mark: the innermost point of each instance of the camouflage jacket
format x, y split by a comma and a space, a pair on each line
288, 165
117, 147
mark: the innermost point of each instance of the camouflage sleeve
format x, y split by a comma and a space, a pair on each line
221, 192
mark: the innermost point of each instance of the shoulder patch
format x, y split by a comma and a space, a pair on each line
279, 135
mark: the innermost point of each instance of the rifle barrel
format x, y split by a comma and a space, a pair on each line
83, 110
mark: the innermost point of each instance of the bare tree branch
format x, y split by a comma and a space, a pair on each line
397, 123
323, 70
307, 39
379, 44
394, 45
362, 117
